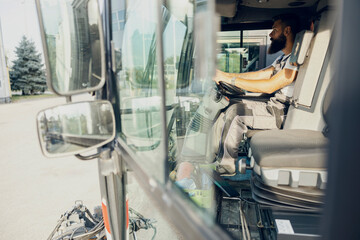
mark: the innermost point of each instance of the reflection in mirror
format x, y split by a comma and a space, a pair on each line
72, 40
77, 127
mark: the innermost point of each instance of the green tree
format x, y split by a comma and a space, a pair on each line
27, 73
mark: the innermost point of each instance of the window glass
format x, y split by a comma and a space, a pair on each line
194, 106
191, 99
140, 203
138, 85
190, 121
194, 152
122, 26
118, 21
121, 15
188, 127
249, 55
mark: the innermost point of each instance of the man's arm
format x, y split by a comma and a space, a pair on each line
266, 85
257, 75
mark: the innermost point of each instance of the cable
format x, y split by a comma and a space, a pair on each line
62, 218
82, 211
72, 234
242, 222
246, 225
138, 222
143, 223
239, 198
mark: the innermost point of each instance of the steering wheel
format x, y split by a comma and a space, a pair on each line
230, 90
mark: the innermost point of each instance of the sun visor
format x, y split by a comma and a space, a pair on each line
226, 8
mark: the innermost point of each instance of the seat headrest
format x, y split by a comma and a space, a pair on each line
301, 47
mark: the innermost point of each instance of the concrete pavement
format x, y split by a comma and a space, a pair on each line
36, 190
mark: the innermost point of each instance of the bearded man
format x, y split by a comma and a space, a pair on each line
277, 78
280, 73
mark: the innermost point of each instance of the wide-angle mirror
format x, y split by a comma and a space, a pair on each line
73, 46
75, 128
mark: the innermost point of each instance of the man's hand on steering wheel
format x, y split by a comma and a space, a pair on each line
223, 82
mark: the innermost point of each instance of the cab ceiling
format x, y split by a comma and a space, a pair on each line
258, 14
277, 3
228, 8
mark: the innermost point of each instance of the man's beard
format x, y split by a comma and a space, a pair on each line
277, 44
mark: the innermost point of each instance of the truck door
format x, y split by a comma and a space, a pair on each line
159, 89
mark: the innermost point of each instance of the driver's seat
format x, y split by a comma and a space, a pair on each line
290, 165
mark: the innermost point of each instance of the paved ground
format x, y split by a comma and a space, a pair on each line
36, 190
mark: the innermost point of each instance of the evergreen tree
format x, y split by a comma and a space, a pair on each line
27, 73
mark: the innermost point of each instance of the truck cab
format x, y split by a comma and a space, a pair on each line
151, 65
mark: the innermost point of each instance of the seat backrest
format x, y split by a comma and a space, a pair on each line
312, 79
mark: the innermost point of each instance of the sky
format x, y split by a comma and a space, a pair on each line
18, 18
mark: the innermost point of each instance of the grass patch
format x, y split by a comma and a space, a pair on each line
17, 98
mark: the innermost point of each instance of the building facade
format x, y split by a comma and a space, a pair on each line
5, 92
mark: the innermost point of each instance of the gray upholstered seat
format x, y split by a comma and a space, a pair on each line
292, 157
289, 165
290, 148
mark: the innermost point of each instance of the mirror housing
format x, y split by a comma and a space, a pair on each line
75, 128
73, 44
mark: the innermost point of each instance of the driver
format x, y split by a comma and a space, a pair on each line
278, 77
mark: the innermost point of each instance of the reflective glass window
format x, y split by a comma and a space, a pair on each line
236, 56
138, 85
191, 157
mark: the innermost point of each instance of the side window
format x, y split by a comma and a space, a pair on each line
117, 22
137, 83
189, 91
242, 51
134, 43
191, 119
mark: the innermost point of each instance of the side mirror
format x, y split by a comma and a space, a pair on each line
73, 44
75, 128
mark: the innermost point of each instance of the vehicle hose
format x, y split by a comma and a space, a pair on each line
140, 222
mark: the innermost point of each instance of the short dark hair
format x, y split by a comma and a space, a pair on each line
289, 19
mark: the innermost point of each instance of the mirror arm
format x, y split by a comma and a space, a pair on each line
68, 99
90, 157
